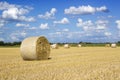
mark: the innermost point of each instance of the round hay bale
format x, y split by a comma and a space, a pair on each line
35, 48
79, 45
54, 46
107, 45
113, 45
66, 46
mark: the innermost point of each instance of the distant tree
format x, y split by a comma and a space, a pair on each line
118, 42
1, 43
80, 42
16, 43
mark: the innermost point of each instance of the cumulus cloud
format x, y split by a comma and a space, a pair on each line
118, 23
32, 28
83, 10
91, 26
62, 21
86, 25
48, 15
26, 19
13, 13
1, 39
44, 26
2, 23
16, 15
108, 33
16, 36
5, 5
64, 36
101, 24
110, 16
22, 25
102, 9
66, 30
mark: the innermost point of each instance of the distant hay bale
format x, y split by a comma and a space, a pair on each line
79, 45
54, 46
66, 46
107, 45
113, 45
35, 48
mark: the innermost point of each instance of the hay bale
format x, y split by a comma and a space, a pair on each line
107, 45
54, 46
35, 48
113, 45
79, 45
66, 46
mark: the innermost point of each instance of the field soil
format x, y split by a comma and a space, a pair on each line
84, 63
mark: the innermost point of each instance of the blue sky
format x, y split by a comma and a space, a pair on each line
60, 20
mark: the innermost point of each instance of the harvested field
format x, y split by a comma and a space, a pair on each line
85, 63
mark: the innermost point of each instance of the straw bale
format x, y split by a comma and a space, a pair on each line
35, 48
54, 46
66, 46
113, 45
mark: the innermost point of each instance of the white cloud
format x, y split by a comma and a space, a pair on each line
33, 28
16, 14
16, 36
62, 21
110, 16
108, 33
101, 24
66, 30
102, 9
22, 25
2, 23
5, 5
48, 15
12, 12
100, 27
44, 26
23, 34
58, 33
118, 23
86, 25
85, 10
26, 19
1, 39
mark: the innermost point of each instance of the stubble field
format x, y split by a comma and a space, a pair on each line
85, 63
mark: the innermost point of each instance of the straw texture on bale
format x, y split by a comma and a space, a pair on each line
35, 48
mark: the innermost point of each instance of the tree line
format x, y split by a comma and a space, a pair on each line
2, 43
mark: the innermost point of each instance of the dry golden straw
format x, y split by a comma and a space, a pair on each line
35, 48
66, 46
79, 45
113, 45
54, 46
107, 45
